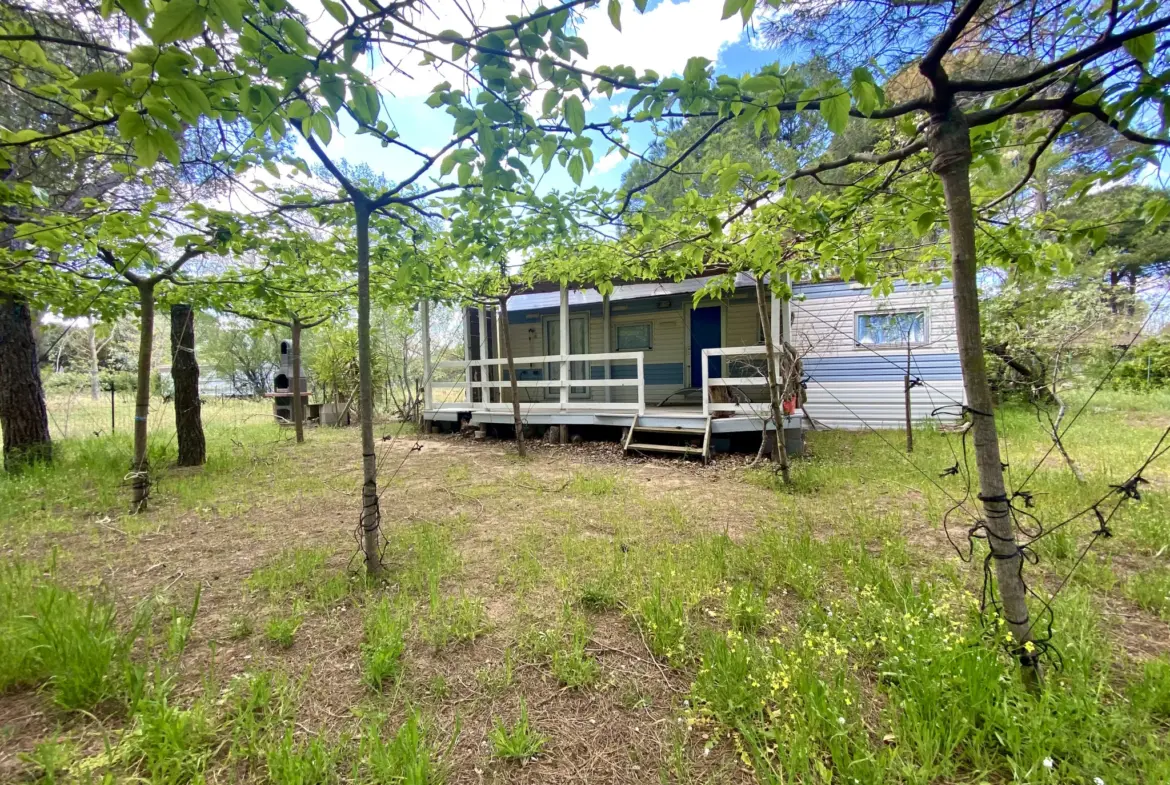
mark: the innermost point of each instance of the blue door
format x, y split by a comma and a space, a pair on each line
706, 333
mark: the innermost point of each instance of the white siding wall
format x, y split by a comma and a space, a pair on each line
852, 386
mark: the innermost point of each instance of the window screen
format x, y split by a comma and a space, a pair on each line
891, 328
633, 337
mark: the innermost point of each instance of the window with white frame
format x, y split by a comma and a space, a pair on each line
632, 337
891, 328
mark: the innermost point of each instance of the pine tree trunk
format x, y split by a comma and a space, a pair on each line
23, 416
95, 387
140, 466
298, 406
950, 145
506, 340
779, 449
185, 373
371, 516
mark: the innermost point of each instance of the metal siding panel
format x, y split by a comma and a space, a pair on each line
857, 405
884, 368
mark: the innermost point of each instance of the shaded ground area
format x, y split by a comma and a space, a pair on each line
654, 621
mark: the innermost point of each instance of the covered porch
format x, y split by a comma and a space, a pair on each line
663, 363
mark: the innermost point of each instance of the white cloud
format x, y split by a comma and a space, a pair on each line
663, 38
608, 161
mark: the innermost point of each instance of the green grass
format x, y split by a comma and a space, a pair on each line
516, 742
410, 754
385, 626
280, 630
451, 620
73, 644
827, 636
563, 647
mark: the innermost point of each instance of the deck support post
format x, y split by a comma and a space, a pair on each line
605, 340
485, 393
424, 315
468, 396
564, 349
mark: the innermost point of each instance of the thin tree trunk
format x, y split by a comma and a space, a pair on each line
297, 402
506, 340
95, 387
779, 450
185, 373
140, 466
950, 146
909, 419
23, 415
371, 517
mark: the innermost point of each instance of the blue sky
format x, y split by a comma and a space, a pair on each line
660, 39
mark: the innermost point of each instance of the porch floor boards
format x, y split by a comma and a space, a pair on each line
664, 417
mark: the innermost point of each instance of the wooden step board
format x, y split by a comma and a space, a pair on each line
679, 449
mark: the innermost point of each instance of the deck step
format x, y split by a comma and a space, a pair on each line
665, 448
664, 429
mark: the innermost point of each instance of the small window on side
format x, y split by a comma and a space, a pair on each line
632, 337
891, 329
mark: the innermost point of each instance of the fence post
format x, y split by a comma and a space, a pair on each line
111, 406
641, 382
703, 359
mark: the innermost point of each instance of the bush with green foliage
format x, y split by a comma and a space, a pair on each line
1146, 366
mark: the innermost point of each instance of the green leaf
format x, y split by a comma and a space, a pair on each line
499, 112
189, 100
230, 11
447, 165
177, 20
574, 114
298, 109
761, 84
291, 67
835, 110
728, 178
131, 125
551, 99
270, 167
206, 55
364, 102
1142, 47
730, 8
136, 9
615, 13
296, 33
745, 12
336, 10
640, 5
322, 127
576, 169
464, 174
99, 80
865, 93
333, 91
696, 69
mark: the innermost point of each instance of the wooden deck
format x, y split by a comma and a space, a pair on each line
654, 416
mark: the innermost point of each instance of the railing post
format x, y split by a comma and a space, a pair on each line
564, 396
424, 313
705, 369
485, 393
606, 340
641, 383
468, 397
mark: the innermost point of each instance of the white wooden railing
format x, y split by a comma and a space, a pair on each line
762, 409
564, 384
